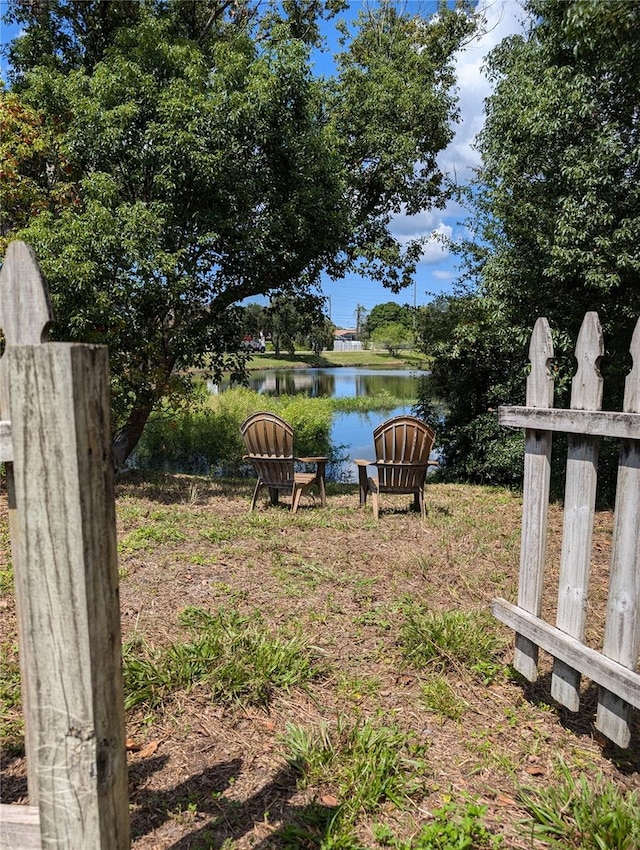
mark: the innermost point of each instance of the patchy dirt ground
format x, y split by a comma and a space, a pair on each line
209, 775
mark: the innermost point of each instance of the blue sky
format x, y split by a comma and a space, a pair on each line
437, 271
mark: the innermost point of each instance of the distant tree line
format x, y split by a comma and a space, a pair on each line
290, 322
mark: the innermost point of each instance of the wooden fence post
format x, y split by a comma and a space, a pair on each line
579, 509
535, 499
25, 316
622, 628
63, 473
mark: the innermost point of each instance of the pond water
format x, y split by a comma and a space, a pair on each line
352, 432
344, 382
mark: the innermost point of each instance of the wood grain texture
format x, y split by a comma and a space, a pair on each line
6, 443
537, 473
25, 317
19, 828
600, 423
25, 308
622, 628
63, 473
579, 509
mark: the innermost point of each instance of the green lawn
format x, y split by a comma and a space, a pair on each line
328, 359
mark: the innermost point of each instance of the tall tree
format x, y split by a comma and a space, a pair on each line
387, 313
556, 213
204, 164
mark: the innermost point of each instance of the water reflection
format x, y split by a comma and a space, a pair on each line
343, 382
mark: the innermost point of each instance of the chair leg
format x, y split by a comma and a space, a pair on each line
296, 495
322, 484
374, 504
323, 491
420, 497
363, 484
274, 495
255, 495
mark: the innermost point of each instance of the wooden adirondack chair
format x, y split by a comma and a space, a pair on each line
402, 448
269, 443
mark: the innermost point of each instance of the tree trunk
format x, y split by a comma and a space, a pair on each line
127, 438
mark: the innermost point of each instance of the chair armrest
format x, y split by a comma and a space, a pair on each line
363, 483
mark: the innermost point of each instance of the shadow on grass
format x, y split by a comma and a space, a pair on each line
168, 488
302, 826
582, 722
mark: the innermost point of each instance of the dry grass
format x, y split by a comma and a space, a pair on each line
202, 774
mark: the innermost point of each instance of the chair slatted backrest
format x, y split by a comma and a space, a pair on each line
269, 443
402, 445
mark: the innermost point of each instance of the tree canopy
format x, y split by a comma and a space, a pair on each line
189, 159
556, 221
388, 313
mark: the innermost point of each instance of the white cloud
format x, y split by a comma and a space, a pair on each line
405, 228
503, 18
442, 274
436, 249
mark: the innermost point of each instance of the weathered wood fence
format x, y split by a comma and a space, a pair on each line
55, 441
613, 668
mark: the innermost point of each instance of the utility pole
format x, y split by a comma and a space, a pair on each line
360, 311
414, 303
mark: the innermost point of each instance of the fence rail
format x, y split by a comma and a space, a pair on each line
613, 668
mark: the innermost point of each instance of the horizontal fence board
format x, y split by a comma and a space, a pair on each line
594, 423
19, 827
6, 444
603, 671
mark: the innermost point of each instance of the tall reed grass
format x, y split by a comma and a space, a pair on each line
207, 436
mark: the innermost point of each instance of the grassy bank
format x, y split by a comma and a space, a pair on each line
331, 359
325, 682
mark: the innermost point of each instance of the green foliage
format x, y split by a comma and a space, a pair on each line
392, 336
556, 220
11, 723
474, 369
585, 813
387, 314
185, 158
438, 695
455, 826
6, 579
234, 657
289, 318
364, 765
209, 435
382, 401
450, 640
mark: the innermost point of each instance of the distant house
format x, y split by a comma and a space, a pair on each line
346, 339
346, 334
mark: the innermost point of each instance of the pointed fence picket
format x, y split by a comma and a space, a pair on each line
55, 442
614, 667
